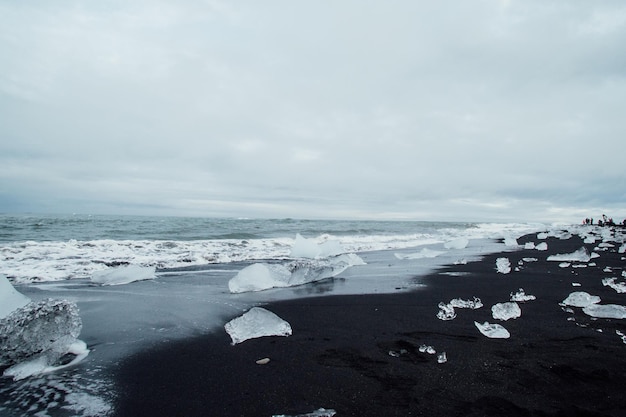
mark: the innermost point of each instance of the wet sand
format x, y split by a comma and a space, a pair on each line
360, 355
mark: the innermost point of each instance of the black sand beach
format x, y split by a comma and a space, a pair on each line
359, 355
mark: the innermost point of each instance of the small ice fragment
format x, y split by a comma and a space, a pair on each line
503, 265
606, 245
263, 361
542, 246
564, 265
492, 331
542, 236
442, 358
471, 304
521, 296
256, 322
529, 245
394, 354
581, 255
576, 284
624, 274
530, 259
620, 287
607, 269
320, 412
461, 262
446, 312
581, 299
10, 298
605, 311
506, 311
123, 275
460, 243
427, 349
622, 335
622, 248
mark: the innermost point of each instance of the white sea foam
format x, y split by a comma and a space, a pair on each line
256, 322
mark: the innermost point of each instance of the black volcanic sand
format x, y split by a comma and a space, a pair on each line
556, 363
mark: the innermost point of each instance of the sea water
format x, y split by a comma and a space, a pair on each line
193, 259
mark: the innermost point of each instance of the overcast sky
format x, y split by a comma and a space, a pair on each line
400, 109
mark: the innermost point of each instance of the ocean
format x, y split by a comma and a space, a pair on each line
194, 261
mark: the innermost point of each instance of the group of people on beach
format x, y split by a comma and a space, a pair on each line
606, 221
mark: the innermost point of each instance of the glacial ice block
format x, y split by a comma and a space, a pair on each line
581, 299
506, 311
606, 311
10, 298
492, 331
581, 255
620, 287
503, 265
256, 322
123, 275
33, 338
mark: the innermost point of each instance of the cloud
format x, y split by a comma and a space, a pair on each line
509, 109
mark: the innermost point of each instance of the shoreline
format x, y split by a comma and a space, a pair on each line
360, 355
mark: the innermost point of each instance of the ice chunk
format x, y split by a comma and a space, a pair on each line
521, 296
256, 322
427, 349
530, 259
529, 245
263, 276
503, 265
565, 265
542, 246
606, 311
123, 275
10, 298
471, 304
424, 253
460, 243
446, 312
542, 236
442, 358
510, 241
492, 331
581, 299
506, 311
38, 335
320, 412
309, 248
621, 335
622, 248
44, 363
581, 255
620, 287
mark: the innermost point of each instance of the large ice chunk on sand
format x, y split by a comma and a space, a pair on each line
10, 298
503, 265
309, 248
124, 275
606, 311
256, 322
492, 331
506, 311
581, 255
581, 299
263, 276
35, 337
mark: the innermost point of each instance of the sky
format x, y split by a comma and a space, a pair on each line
484, 110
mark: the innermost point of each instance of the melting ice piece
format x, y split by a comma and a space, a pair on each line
320, 412
460, 243
442, 358
622, 248
38, 335
521, 296
581, 299
309, 248
510, 241
123, 275
471, 304
503, 265
606, 311
529, 245
446, 312
262, 276
424, 253
542, 246
427, 349
256, 322
581, 255
492, 331
620, 287
10, 298
506, 311
564, 265
43, 363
